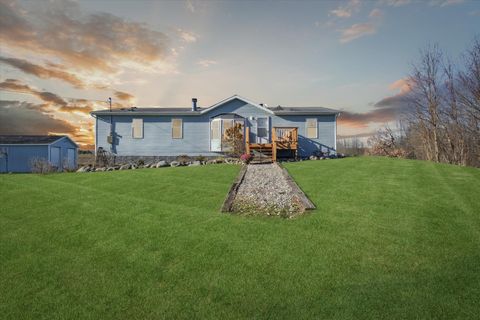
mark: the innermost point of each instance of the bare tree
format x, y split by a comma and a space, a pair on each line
426, 98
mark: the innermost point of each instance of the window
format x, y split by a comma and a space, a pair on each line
312, 128
177, 128
137, 128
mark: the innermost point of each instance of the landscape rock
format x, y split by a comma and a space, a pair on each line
213, 161
174, 164
100, 169
82, 169
313, 158
110, 169
161, 164
125, 167
195, 163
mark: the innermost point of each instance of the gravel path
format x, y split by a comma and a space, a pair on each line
265, 188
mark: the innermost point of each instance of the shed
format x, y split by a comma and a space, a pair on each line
18, 151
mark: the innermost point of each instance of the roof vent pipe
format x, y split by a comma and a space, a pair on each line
194, 104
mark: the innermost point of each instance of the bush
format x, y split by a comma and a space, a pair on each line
246, 158
41, 165
183, 159
201, 158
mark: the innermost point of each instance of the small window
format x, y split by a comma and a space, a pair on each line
177, 128
137, 128
312, 128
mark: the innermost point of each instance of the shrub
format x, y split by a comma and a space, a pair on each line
183, 159
201, 158
246, 158
41, 165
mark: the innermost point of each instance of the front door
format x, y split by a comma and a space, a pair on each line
263, 130
216, 135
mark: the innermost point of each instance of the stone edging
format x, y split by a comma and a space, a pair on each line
298, 193
232, 193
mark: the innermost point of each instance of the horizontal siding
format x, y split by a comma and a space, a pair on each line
157, 139
20, 157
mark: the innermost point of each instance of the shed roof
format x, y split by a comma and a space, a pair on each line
27, 139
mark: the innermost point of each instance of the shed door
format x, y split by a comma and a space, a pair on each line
55, 156
71, 158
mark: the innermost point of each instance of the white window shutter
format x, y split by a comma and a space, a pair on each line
312, 128
137, 128
177, 128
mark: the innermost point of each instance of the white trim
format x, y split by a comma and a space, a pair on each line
218, 104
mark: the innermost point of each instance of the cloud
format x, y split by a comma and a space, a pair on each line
357, 31
18, 86
97, 42
362, 120
445, 3
401, 84
186, 36
385, 110
43, 72
51, 101
190, 6
124, 96
375, 13
347, 10
395, 3
206, 63
17, 117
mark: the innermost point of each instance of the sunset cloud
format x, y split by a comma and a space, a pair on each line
206, 63
445, 3
357, 31
98, 41
124, 96
17, 117
347, 10
187, 36
362, 120
396, 3
50, 99
42, 72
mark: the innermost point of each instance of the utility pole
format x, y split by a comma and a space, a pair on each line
112, 139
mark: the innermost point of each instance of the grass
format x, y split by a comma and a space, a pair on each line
390, 239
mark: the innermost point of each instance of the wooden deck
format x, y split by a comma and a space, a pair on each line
283, 138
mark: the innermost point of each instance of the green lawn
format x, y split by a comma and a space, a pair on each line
390, 239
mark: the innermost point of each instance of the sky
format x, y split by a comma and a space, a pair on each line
60, 60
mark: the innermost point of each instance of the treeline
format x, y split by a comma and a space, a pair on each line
440, 119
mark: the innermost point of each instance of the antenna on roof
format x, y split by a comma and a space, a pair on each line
110, 103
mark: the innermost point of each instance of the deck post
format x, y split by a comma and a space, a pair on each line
274, 144
247, 140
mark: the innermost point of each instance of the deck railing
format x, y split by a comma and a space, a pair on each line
285, 134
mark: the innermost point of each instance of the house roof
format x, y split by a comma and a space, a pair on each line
28, 139
188, 111
279, 110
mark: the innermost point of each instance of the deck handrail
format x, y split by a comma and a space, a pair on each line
285, 134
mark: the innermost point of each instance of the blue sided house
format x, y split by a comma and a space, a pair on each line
195, 131
18, 152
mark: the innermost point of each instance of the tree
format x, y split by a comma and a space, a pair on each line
233, 141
